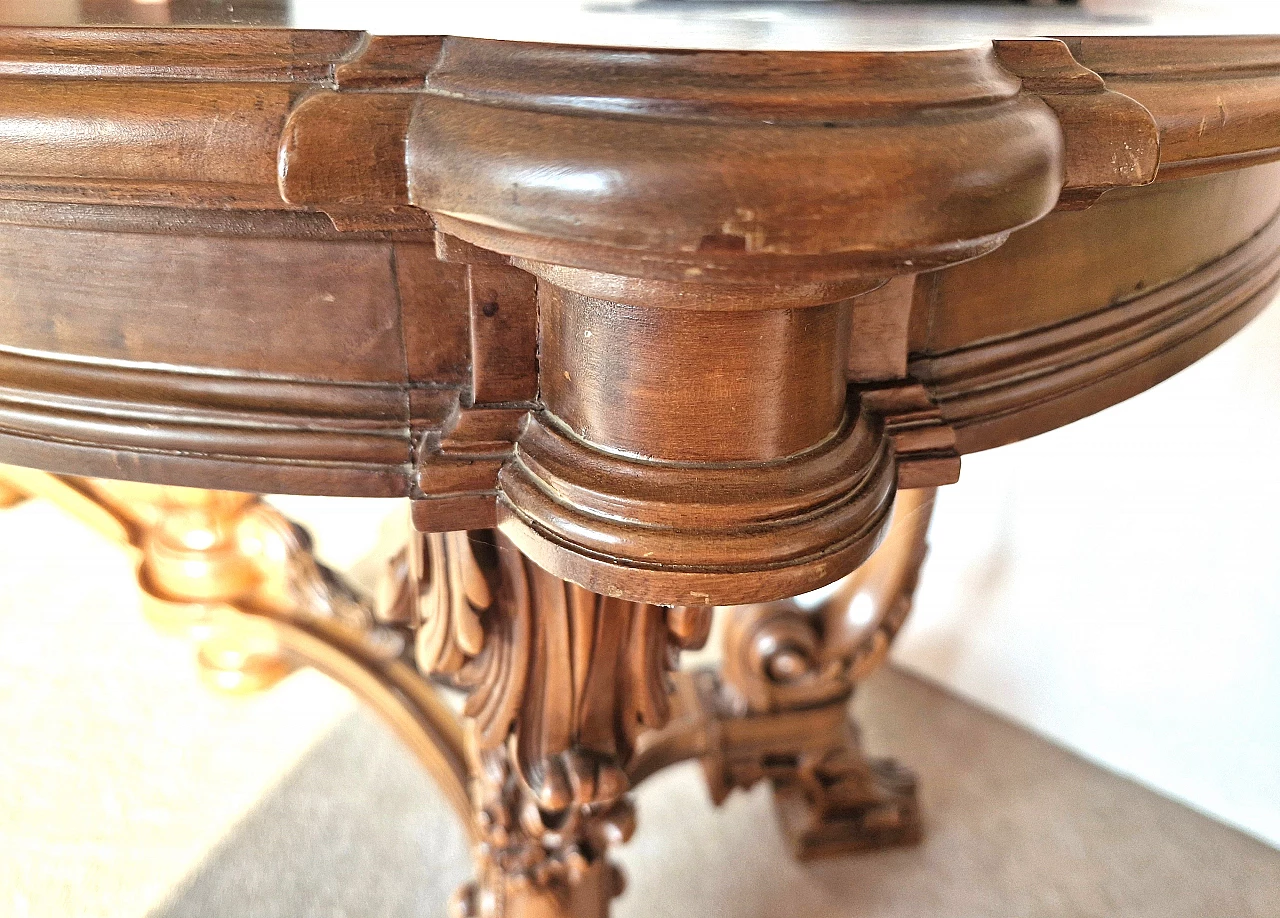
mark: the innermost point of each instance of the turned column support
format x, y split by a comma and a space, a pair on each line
694, 437
726, 445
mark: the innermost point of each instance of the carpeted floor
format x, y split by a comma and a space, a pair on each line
1016, 827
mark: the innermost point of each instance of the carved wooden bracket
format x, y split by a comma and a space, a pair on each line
665, 341
687, 432
561, 683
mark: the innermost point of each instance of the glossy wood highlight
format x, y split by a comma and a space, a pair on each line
663, 328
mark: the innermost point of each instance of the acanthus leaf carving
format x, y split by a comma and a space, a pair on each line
560, 681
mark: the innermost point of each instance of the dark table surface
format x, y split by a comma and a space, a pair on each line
811, 26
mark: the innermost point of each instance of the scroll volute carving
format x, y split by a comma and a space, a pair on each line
789, 655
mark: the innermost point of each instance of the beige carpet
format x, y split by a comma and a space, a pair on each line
127, 790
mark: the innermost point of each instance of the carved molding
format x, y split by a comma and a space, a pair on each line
720, 218
1110, 140
690, 534
700, 315
1211, 97
279, 66
457, 469
924, 444
997, 391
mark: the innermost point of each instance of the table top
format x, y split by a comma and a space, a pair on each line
679, 321
759, 26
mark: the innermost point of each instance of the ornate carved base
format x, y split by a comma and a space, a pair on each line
842, 802
789, 673
571, 699
830, 797
501, 894
529, 869
561, 683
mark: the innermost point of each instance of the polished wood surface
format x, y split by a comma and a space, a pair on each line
637, 331
761, 25
673, 320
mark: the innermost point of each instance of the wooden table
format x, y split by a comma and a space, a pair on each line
635, 333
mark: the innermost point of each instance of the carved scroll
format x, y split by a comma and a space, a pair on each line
789, 671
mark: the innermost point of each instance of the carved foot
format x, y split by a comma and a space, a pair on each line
782, 706
538, 863
841, 802
830, 797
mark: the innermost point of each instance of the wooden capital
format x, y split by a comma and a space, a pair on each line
698, 249
679, 449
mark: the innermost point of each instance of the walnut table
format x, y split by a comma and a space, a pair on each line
635, 332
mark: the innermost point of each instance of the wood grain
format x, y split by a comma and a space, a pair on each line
678, 321
667, 328
1000, 391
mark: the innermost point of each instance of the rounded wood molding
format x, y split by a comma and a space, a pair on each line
698, 534
436, 267
698, 223
996, 392
1213, 98
710, 167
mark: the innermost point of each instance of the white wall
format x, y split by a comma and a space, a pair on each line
1115, 584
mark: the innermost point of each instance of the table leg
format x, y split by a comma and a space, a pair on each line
561, 684
569, 693
560, 681
231, 572
788, 674
778, 707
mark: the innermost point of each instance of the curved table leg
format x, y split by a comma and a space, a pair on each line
569, 693
779, 707
789, 672
230, 571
